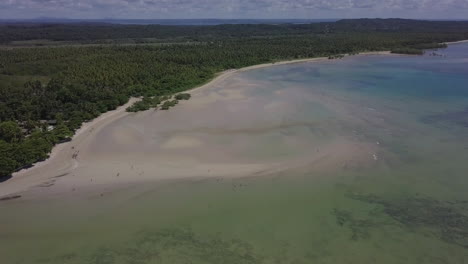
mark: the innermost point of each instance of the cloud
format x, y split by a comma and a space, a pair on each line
222, 8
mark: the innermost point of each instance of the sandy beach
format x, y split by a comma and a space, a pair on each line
207, 136
226, 74
455, 42
60, 160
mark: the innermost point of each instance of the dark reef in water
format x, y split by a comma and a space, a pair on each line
457, 117
167, 246
447, 220
359, 227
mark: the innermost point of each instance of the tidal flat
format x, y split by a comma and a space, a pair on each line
358, 160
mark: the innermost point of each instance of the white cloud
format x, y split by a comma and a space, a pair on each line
223, 8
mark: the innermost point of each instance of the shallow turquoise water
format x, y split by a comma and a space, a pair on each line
409, 206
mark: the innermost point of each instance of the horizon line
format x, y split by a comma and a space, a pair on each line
212, 18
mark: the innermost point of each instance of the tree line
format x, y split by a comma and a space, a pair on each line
111, 33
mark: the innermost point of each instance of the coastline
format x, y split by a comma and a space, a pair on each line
61, 155
60, 161
456, 42
227, 73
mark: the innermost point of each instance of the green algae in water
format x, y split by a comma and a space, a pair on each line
448, 220
360, 228
167, 246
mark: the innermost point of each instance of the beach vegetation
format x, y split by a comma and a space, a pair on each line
408, 51
168, 104
337, 56
145, 104
62, 132
182, 96
10, 132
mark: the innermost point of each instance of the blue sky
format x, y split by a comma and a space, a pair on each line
431, 9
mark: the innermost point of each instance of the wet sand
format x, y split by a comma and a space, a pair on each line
455, 42
208, 136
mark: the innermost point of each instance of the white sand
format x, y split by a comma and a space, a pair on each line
60, 160
456, 42
220, 132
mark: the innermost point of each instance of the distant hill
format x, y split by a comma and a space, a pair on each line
98, 30
198, 22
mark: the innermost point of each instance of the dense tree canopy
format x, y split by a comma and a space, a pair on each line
112, 33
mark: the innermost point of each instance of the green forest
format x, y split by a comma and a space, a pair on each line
55, 77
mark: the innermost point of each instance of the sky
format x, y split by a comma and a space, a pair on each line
259, 9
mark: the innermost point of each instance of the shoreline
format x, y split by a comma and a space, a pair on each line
227, 73
61, 161
456, 42
59, 155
